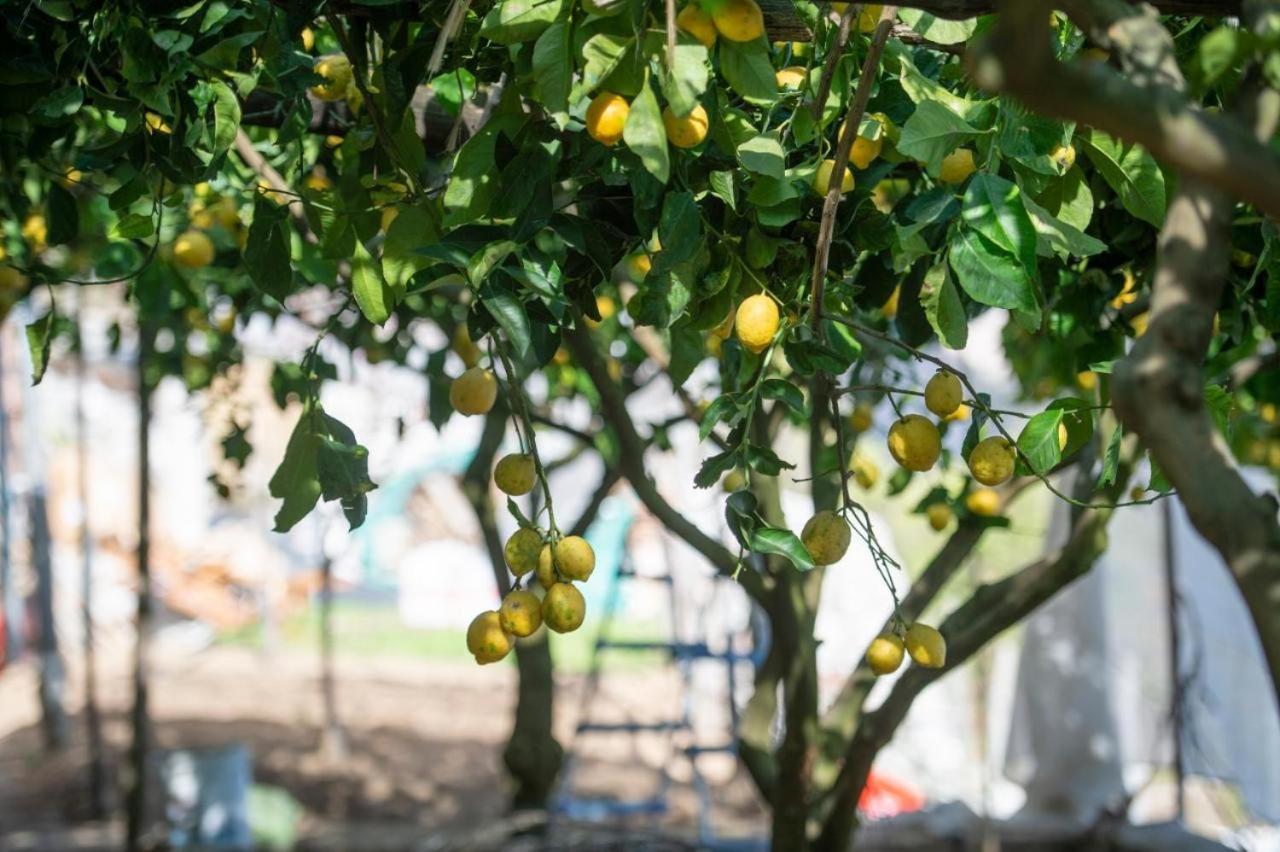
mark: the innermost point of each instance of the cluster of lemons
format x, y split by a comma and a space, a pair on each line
827, 536
557, 561
193, 249
35, 232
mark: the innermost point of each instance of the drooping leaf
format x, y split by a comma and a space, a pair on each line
943, 308
783, 543
373, 295
994, 208
267, 248
645, 135
1131, 172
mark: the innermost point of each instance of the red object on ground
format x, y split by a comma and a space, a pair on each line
884, 797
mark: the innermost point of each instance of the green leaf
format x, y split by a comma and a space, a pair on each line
1111, 458
297, 479
993, 207
375, 298
1039, 441
514, 21
923, 90
714, 467
684, 83
601, 55
721, 183
267, 248
746, 66
943, 308
687, 351
989, 275
763, 155
783, 543
342, 468
938, 30
133, 226
475, 178
39, 339
553, 70
1053, 234
64, 216
679, 229
1131, 172
646, 136
226, 116
453, 88
1069, 199
781, 389
510, 314
932, 132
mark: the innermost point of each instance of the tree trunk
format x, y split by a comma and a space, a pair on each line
332, 737
139, 751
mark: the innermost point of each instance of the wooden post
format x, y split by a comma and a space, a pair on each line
92, 718
140, 749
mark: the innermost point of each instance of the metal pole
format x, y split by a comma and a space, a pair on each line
11, 602
1175, 659
139, 750
93, 720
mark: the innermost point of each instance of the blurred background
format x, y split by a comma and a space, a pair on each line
313, 689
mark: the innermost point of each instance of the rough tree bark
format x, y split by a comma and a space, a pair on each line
1158, 388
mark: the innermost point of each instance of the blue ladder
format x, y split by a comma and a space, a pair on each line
568, 803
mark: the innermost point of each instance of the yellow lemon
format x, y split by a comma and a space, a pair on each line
697, 23
474, 392
332, 141
687, 132
869, 16
860, 419
522, 551
308, 39
991, 462
822, 178
486, 639
826, 536
515, 474
983, 501
1269, 412
1064, 156
791, 78
865, 471
521, 613
757, 322
574, 560
563, 608
606, 116
888, 192
464, 347
1139, 323
35, 230
1087, 380
939, 515
914, 442
926, 646
193, 250
961, 413
864, 151
156, 123
335, 69
957, 166
885, 653
944, 393
739, 20
889, 309
733, 481
317, 182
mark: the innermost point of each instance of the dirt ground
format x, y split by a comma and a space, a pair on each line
422, 765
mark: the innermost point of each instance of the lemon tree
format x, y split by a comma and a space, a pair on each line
585, 193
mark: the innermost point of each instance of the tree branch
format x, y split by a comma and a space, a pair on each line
991, 610
631, 449
1158, 392
1016, 59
